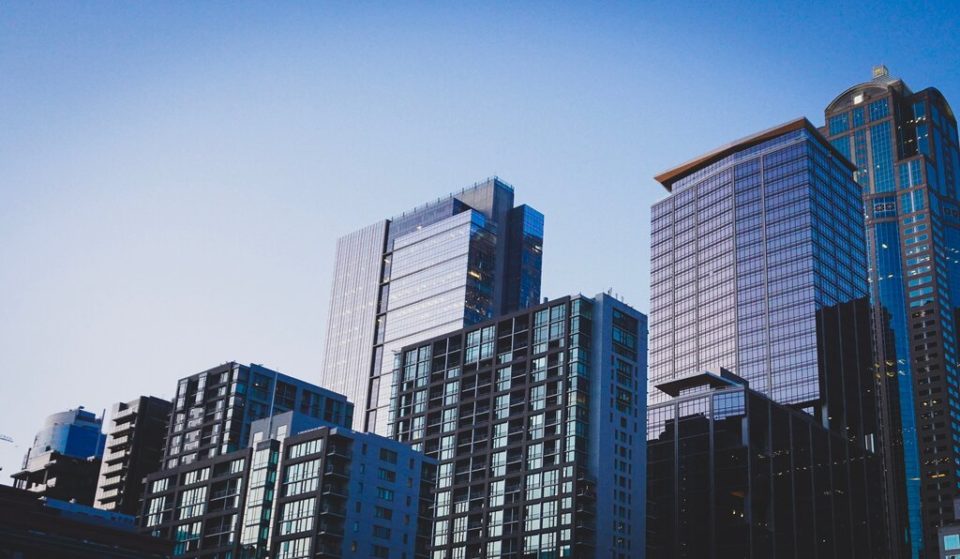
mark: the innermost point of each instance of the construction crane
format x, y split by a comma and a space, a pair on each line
6, 438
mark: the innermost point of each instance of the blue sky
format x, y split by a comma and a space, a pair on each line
173, 175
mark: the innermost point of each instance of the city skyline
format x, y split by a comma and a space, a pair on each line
164, 251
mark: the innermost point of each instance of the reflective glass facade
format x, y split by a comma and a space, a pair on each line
749, 254
536, 421
457, 261
71, 433
759, 268
904, 146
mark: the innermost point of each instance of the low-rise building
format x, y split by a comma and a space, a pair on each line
64, 461
302, 488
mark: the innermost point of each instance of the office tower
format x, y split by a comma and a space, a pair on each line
134, 448
36, 527
732, 473
302, 488
439, 267
536, 420
904, 147
64, 460
759, 267
213, 410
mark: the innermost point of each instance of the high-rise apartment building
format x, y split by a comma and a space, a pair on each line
904, 147
213, 410
759, 267
537, 421
448, 264
302, 488
64, 460
134, 448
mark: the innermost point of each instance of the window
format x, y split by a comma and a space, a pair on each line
294, 549
878, 109
187, 537
192, 502
297, 516
388, 456
384, 494
303, 449
951, 542
839, 123
882, 157
286, 396
310, 403
387, 475
301, 478
261, 386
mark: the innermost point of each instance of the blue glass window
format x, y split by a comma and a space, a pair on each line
858, 117
918, 110
839, 123
923, 139
879, 109
860, 158
951, 542
911, 173
882, 157
912, 201
842, 144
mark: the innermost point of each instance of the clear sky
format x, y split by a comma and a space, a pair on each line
173, 175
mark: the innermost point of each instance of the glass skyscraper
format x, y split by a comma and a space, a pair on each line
442, 266
753, 249
759, 267
904, 147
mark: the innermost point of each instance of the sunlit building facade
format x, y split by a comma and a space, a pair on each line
454, 262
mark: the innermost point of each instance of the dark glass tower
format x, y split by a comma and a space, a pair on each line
733, 474
904, 147
759, 267
442, 266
